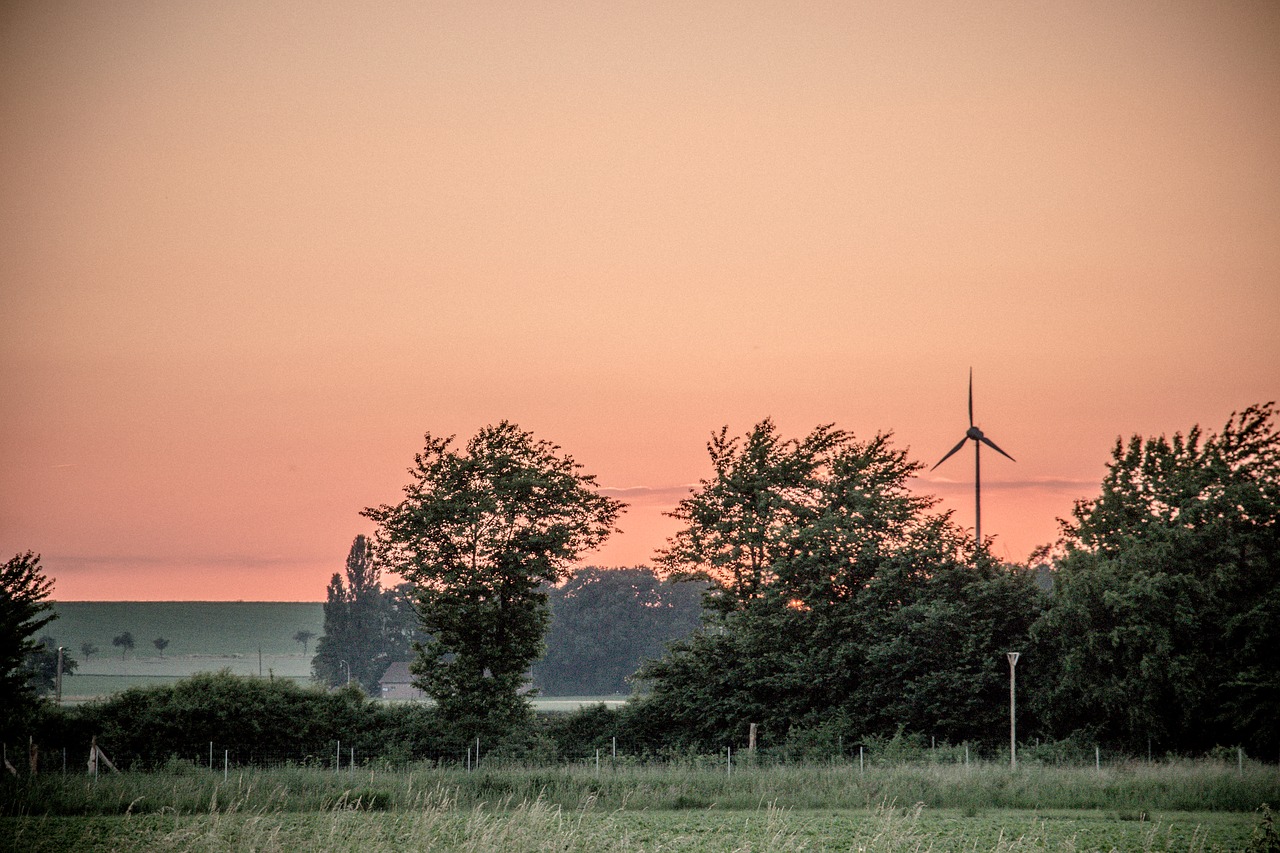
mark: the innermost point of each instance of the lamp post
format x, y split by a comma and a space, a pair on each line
1013, 707
347, 667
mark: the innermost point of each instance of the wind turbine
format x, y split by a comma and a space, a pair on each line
975, 435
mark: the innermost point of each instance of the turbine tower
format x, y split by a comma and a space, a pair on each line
975, 435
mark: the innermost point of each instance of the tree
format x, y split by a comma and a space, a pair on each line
366, 627
161, 644
42, 665
24, 610
88, 649
479, 532
839, 601
1166, 608
304, 637
605, 623
124, 642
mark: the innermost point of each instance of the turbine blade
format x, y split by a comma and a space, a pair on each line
992, 445
953, 452
970, 396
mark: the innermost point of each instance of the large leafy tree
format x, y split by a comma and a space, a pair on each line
605, 623
24, 609
838, 598
366, 627
1166, 609
480, 531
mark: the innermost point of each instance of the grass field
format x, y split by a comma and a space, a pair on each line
222, 629
204, 636
637, 808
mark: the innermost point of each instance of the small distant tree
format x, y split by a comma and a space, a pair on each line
24, 609
161, 644
304, 637
124, 642
88, 650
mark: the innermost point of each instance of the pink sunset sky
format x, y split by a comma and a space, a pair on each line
252, 251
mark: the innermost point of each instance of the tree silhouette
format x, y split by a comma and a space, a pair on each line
88, 650
24, 609
160, 643
124, 642
479, 532
305, 638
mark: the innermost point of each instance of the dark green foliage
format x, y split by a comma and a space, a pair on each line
1264, 838
480, 533
42, 665
257, 720
366, 627
24, 610
839, 602
1166, 609
124, 642
605, 623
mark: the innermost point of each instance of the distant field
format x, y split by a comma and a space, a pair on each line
204, 636
211, 628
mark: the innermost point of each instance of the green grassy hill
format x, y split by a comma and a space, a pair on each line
216, 628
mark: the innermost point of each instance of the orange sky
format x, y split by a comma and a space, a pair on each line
252, 251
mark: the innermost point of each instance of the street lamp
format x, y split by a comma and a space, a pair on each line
1013, 706
348, 668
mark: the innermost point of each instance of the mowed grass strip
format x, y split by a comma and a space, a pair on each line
540, 826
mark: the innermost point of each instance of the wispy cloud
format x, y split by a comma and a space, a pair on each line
1046, 484
647, 494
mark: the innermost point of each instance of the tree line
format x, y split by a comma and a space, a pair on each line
837, 605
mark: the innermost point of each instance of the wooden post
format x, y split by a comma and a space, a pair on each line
93, 757
1013, 708
33, 756
751, 738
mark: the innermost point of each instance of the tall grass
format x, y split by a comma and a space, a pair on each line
186, 789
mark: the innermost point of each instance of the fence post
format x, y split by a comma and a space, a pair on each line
1097, 758
337, 764
226, 763
728, 760
861, 767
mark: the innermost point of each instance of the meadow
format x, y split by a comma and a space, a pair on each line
682, 805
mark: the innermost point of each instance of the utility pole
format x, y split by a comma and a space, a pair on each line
1013, 709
